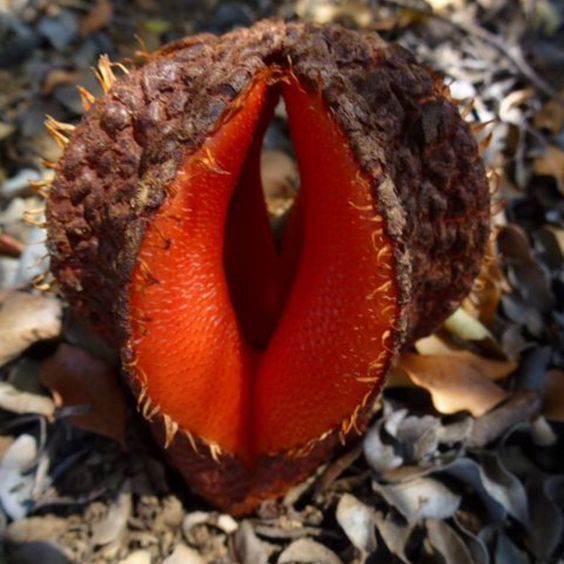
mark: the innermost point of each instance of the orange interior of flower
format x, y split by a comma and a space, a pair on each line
255, 348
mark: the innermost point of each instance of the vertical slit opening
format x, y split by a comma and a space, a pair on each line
258, 274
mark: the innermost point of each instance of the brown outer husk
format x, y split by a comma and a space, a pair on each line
427, 179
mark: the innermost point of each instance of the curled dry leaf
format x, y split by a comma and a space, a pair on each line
492, 369
358, 522
551, 116
466, 327
553, 397
551, 163
108, 529
80, 379
98, 18
17, 401
44, 528
447, 543
250, 549
455, 384
58, 77
16, 482
24, 320
422, 498
308, 551
183, 554
521, 406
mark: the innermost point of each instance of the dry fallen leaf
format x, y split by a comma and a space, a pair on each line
58, 77
24, 320
455, 384
358, 521
16, 481
550, 116
18, 401
10, 247
98, 18
463, 325
492, 369
421, 498
551, 164
80, 379
328, 12
553, 400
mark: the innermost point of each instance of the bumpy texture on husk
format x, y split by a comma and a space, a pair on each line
427, 179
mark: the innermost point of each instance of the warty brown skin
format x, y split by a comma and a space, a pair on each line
426, 174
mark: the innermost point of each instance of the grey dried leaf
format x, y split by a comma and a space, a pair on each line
476, 545
507, 553
249, 549
393, 418
380, 457
24, 320
546, 528
542, 433
521, 406
420, 498
221, 521
18, 184
114, 524
358, 522
519, 311
307, 551
16, 482
183, 554
395, 533
525, 273
531, 374
447, 543
471, 474
456, 432
418, 437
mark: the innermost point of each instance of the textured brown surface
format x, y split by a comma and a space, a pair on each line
427, 178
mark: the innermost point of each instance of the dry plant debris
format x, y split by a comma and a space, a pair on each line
497, 479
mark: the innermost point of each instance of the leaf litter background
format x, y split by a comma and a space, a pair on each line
464, 460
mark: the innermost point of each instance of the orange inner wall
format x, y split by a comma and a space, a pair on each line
254, 350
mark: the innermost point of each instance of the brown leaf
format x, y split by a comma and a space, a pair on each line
551, 164
98, 18
492, 369
10, 247
58, 77
553, 400
551, 116
81, 379
455, 384
24, 320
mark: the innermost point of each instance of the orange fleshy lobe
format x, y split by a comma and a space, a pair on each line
255, 348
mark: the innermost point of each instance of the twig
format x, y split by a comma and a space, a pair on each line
512, 53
